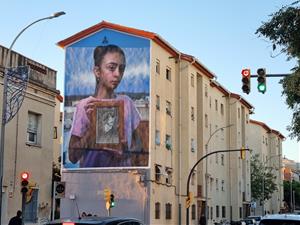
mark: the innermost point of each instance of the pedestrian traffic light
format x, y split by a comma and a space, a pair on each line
112, 201
246, 78
261, 80
187, 202
243, 153
24, 182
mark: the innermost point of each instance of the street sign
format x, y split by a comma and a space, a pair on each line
60, 188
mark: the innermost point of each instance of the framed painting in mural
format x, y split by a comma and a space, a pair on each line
107, 130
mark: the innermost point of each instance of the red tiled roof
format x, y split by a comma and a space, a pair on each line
267, 128
142, 33
242, 100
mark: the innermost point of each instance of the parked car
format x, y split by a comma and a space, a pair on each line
256, 218
280, 219
249, 221
91, 220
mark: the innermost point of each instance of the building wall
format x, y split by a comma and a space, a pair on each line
268, 145
19, 154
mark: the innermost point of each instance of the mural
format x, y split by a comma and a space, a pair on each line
106, 111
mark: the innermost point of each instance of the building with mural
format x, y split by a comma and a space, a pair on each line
138, 115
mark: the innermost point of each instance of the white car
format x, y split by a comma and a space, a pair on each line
280, 219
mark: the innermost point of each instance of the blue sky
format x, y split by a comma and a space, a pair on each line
220, 34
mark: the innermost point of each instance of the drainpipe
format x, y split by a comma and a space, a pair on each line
179, 145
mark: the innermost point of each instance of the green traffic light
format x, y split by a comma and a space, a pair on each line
262, 88
112, 204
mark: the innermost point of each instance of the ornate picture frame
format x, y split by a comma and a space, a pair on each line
107, 130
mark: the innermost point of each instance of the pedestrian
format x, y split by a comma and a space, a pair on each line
109, 67
16, 220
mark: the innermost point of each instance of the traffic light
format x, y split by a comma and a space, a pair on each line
112, 201
24, 182
243, 153
246, 78
261, 80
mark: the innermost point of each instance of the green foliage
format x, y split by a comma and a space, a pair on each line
283, 30
287, 192
262, 179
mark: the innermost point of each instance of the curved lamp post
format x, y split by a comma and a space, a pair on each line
206, 169
4, 102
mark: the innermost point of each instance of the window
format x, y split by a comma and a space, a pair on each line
223, 185
205, 90
217, 211
192, 80
157, 137
157, 210
157, 66
193, 212
222, 159
223, 211
239, 113
206, 120
157, 104
241, 214
192, 113
193, 178
217, 184
211, 212
216, 104
157, 172
217, 158
169, 172
34, 128
168, 108
222, 109
168, 211
54, 132
168, 73
168, 142
193, 145
209, 102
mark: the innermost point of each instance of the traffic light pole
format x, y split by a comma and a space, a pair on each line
274, 75
23, 205
191, 172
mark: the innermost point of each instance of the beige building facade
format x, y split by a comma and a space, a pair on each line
267, 143
191, 115
29, 141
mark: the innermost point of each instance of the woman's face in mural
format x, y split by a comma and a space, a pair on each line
111, 70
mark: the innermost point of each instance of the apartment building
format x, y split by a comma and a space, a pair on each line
29, 140
186, 114
267, 143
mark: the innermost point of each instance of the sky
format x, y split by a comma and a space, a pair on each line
220, 34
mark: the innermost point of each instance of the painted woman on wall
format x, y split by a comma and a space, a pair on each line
109, 67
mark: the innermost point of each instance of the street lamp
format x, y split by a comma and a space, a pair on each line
206, 168
4, 101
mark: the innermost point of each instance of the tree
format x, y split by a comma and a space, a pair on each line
287, 192
262, 180
283, 30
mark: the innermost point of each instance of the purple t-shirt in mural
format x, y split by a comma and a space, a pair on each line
99, 158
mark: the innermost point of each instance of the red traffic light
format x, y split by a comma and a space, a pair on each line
24, 175
246, 72
246, 78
